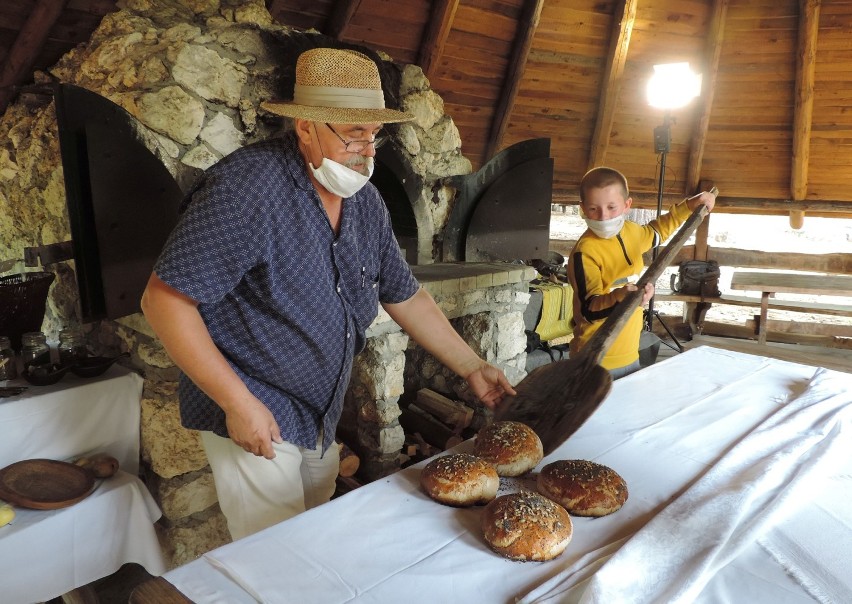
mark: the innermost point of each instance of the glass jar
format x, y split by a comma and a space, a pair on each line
72, 346
8, 362
34, 349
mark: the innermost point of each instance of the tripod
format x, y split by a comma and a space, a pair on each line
662, 145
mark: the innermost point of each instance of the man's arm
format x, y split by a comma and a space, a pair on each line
421, 319
175, 319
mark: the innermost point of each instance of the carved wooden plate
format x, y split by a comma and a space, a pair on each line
45, 484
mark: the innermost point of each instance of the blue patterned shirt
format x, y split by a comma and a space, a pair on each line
285, 301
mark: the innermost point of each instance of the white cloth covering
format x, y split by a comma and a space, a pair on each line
45, 553
662, 429
768, 476
813, 545
74, 417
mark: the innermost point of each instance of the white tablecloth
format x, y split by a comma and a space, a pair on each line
73, 417
661, 429
45, 553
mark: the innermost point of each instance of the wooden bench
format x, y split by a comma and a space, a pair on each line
788, 282
817, 308
791, 282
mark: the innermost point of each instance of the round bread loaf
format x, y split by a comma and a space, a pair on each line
584, 488
512, 447
460, 479
526, 526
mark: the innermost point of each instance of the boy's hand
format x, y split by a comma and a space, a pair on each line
646, 295
708, 198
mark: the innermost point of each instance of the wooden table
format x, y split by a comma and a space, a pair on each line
794, 283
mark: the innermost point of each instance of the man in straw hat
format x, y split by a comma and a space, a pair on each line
264, 291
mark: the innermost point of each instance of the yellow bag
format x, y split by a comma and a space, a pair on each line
556, 310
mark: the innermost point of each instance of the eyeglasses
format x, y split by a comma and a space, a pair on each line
359, 146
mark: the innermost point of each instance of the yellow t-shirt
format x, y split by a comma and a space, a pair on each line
598, 266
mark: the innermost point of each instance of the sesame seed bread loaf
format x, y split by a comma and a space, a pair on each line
584, 488
460, 479
526, 526
512, 447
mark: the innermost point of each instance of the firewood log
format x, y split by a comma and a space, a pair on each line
349, 462
416, 420
454, 414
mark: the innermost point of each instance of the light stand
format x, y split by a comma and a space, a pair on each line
662, 145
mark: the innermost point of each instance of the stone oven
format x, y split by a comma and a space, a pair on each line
191, 81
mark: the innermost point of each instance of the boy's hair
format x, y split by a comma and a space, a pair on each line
600, 177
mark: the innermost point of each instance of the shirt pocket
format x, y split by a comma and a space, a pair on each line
367, 295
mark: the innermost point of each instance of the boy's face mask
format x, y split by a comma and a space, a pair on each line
606, 229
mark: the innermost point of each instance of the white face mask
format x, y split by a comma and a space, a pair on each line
606, 229
339, 179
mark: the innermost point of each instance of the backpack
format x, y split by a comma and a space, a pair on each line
697, 278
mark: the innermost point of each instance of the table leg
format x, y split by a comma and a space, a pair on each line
764, 310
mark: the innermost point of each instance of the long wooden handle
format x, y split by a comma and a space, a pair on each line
603, 338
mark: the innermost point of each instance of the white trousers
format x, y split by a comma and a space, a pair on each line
255, 492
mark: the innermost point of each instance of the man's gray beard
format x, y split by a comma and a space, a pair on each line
358, 164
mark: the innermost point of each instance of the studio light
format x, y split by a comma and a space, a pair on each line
672, 86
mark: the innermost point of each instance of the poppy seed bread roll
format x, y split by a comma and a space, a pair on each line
526, 526
460, 479
584, 488
512, 447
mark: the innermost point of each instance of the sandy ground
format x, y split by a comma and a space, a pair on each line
764, 233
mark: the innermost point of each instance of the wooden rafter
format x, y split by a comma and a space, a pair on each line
803, 114
713, 51
527, 25
340, 17
622, 28
24, 52
435, 37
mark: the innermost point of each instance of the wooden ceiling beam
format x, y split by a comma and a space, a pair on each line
435, 36
713, 52
24, 52
340, 17
804, 104
527, 25
622, 28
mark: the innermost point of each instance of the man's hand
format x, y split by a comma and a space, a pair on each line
490, 385
252, 427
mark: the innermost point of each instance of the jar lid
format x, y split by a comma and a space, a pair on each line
33, 337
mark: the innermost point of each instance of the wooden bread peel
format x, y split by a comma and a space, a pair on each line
556, 399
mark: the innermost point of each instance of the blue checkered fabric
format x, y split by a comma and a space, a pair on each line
285, 301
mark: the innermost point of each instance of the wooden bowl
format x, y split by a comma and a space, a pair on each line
45, 484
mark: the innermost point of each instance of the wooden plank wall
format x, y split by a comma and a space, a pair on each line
477, 51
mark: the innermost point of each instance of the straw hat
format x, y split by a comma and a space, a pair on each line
337, 86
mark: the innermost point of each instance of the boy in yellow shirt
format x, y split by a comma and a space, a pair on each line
608, 254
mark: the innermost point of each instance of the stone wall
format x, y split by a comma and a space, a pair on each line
193, 74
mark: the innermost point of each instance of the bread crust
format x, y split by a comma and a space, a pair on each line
526, 526
584, 488
512, 447
460, 479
